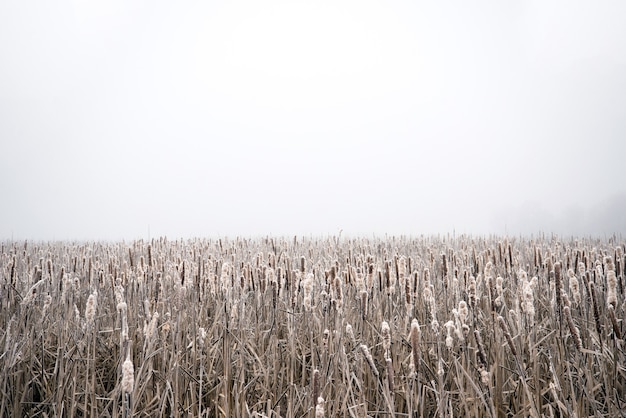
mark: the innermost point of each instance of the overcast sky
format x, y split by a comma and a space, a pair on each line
127, 119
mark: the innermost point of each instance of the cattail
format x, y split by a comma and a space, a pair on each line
611, 290
350, 333
390, 374
165, 328
122, 308
76, 314
46, 305
119, 291
463, 312
572, 328
558, 285
370, 360
338, 292
449, 327
386, 333
471, 292
307, 286
565, 298
90, 309
434, 325
485, 376
574, 286
201, 337
325, 337
507, 334
595, 307
316, 385
480, 348
528, 299
614, 323
415, 340
128, 376
319, 408
364, 296
499, 291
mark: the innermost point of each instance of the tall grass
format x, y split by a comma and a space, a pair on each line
313, 327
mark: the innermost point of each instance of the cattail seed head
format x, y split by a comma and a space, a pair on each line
316, 385
386, 335
572, 328
574, 286
463, 312
614, 323
128, 376
611, 290
350, 333
482, 357
471, 292
319, 408
415, 337
90, 309
449, 328
390, 374
370, 360
507, 334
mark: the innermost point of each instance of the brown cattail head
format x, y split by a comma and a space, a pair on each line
595, 307
316, 386
558, 285
364, 296
572, 328
482, 357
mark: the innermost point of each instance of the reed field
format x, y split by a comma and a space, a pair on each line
308, 327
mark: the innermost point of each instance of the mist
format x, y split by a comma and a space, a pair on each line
131, 120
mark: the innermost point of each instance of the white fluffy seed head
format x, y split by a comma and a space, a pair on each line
611, 291
386, 334
90, 309
463, 311
128, 376
350, 333
319, 408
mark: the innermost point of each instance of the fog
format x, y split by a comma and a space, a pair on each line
124, 120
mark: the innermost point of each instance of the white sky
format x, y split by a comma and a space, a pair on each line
124, 119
